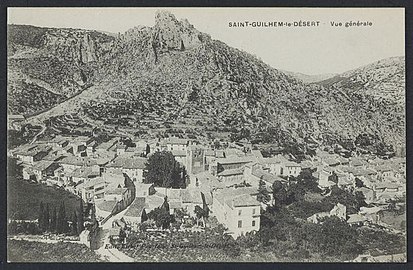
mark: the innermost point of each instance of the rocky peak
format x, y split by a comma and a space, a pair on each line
171, 34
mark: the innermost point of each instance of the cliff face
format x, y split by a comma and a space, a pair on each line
60, 62
175, 73
171, 34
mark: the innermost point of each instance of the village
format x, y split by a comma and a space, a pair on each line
226, 181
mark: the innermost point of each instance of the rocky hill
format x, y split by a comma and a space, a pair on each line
47, 65
382, 80
310, 78
172, 73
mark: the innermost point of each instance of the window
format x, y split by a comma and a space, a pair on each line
253, 211
239, 212
239, 223
253, 223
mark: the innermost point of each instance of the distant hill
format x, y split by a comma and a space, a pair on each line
384, 79
172, 73
310, 78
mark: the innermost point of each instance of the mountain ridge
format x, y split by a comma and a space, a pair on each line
173, 72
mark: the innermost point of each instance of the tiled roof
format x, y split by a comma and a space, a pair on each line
136, 208
91, 183
355, 218
154, 201
387, 185
268, 177
331, 161
42, 165
176, 141
128, 163
83, 173
229, 172
31, 150
235, 160
370, 210
224, 194
106, 205
79, 161
357, 162
243, 200
291, 164
116, 191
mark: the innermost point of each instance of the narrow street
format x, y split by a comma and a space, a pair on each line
112, 254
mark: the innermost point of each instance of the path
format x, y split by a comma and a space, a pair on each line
38, 134
49, 241
113, 254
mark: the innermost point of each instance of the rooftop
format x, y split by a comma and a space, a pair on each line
128, 162
106, 205
230, 172
136, 208
242, 201
235, 160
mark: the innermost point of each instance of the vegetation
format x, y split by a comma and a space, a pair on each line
161, 215
263, 194
164, 171
27, 251
24, 197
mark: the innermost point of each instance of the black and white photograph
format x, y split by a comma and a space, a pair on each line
140, 134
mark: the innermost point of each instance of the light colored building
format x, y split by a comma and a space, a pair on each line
290, 168
29, 154
133, 166
339, 210
237, 210
174, 143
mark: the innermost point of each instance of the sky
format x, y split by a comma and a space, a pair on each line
309, 50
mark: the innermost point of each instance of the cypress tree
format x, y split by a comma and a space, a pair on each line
65, 227
41, 217
59, 220
53, 219
80, 220
47, 218
144, 216
73, 228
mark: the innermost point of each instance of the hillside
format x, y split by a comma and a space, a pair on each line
47, 65
172, 73
310, 78
382, 80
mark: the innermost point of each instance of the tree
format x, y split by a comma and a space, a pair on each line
199, 212
61, 222
336, 237
353, 202
194, 95
279, 194
161, 217
73, 227
202, 213
144, 216
165, 204
359, 183
80, 220
263, 195
53, 219
41, 218
164, 171
47, 218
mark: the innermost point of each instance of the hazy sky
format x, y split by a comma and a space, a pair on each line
309, 50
